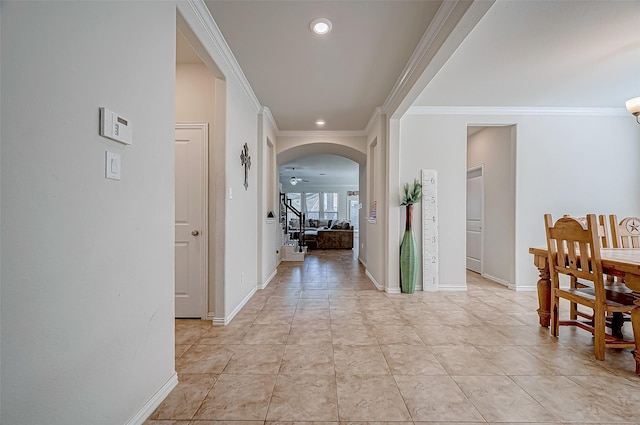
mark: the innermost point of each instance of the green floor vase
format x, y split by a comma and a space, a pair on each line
408, 254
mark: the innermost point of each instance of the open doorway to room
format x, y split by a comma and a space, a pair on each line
325, 190
199, 88
491, 203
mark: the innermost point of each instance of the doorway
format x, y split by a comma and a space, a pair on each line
491, 201
475, 217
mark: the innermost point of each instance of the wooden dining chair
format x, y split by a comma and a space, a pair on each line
574, 251
625, 233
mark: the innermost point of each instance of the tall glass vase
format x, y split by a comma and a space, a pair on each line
408, 252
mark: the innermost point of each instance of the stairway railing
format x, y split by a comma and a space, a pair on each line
289, 208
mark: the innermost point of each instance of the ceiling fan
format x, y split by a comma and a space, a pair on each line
294, 180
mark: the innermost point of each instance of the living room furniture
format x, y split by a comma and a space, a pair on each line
334, 239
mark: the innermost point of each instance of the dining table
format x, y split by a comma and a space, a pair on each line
623, 263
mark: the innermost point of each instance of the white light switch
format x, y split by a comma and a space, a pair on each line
113, 166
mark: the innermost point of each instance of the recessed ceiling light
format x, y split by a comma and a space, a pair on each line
320, 123
321, 26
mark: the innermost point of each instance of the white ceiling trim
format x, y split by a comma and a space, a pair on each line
372, 120
303, 133
204, 15
267, 113
500, 110
444, 11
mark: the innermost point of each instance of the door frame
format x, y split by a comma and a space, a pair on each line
473, 169
204, 210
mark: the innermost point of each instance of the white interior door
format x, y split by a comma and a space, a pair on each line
190, 225
475, 196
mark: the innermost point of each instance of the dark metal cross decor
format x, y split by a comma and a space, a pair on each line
246, 161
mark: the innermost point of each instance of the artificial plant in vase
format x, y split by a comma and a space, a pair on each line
408, 249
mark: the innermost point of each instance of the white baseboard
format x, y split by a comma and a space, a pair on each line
264, 285
219, 321
226, 320
392, 290
527, 288
500, 281
141, 416
375, 282
452, 288
362, 262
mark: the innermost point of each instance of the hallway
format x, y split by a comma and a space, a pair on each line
321, 344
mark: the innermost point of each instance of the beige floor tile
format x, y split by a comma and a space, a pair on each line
396, 335
360, 360
308, 360
304, 398
490, 395
525, 335
255, 359
267, 334
325, 353
186, 397
205, 359
238, 397
435, 335
309, 335
370, 398
224, 335
464, 360
181, 349
352, 335
569, 401
436, 398
411, 360
515, 360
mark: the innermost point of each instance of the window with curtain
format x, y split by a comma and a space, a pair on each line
312, 205
330, 206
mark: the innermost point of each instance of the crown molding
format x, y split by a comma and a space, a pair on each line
442, 15
231, 64
372, 120
327, 134
266, 112
516, 110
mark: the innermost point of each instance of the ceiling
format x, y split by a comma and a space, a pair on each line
337, 170
522, 53
340, 77
545, 54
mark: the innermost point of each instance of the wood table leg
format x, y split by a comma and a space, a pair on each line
544, 296
635, 322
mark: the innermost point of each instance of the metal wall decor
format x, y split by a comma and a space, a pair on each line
245, 160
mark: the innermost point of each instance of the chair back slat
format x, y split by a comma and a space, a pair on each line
626, 232
574, 249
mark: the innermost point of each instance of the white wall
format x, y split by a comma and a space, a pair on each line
437, 143
494, 148
375, 243
88, 263
270, 232
564, 165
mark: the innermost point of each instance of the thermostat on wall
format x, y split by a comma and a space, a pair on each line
115, 126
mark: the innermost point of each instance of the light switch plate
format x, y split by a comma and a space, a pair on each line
113, 166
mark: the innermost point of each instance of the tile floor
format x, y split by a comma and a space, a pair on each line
321, 344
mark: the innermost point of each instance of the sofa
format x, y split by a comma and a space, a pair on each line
334, 239
323, 234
